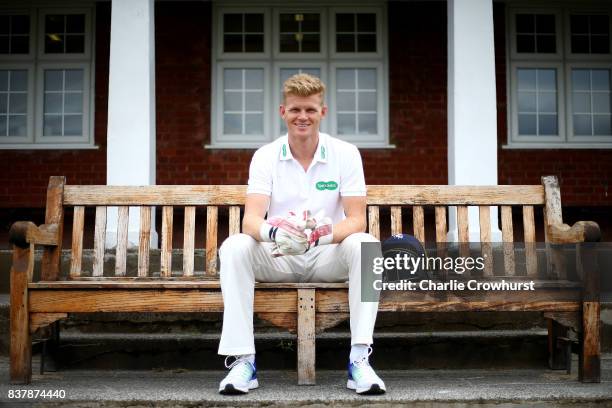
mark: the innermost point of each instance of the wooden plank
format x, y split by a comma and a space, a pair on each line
177, 282
590, 356
99, 241
166, 245
440, 223
508, 240
557, 358
463, 230
306, 336
54, 214
188, 240
78, 226
21, 343
234, 220
279, 319
122, 240
144, 241
235, 195
529, 237
484, 212
212, 214
38, 320
418, 220
396, 219
165, 300
45, 234
373, 221
552, 216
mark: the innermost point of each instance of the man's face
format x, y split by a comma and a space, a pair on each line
303, 114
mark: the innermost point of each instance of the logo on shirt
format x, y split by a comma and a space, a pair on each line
326, 185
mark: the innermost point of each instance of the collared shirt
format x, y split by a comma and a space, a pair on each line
336, 171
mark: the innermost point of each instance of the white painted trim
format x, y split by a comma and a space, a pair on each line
569, 56
551, 146
513, 109
218, 12
32, 43
29, 138
323, 35
86, 55
44, 146
381, 42
558, 34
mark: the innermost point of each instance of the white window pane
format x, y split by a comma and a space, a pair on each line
18, 103
52, 125
3, 124
232, 101
367, 124
254, 78
547, 125
17, 125
53, 103
3, 80
527, 124
253, 124
601, 79
601, 102
232, 78
53, 80
346, 124
254, 101
346, 79
547, 79
602, 125
19, 80
74, 80
346, 101
232, 124
73, 125
526, 79
582, 125
286, 73
367, 101
581, 80
581, 102
73, 103
527, 101
367, 79
3, 103
547, 102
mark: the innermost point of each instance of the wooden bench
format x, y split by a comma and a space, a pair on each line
302, 308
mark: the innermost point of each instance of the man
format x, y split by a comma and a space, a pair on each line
304, 181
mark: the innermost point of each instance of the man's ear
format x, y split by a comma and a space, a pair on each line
281, 110
323, 111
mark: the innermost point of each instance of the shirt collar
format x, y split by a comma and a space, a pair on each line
320, 154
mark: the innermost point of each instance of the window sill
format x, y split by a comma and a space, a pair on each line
555, 146
68, 146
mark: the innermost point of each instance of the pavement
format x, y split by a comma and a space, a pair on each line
419, 388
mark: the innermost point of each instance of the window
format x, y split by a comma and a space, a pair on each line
560, 78
45, 69
257, 49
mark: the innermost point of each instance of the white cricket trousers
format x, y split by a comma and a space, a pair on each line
245, 261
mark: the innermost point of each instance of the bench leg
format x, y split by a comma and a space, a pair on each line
21, 345
306, 336
557, 355
589, 365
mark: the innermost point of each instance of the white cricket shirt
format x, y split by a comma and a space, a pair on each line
336, 171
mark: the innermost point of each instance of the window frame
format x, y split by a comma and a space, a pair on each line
380, 32
32, 41
278, 55
29, 138
571, 56
559, 29
86, 55
218, 34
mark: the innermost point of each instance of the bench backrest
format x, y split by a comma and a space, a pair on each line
396, 197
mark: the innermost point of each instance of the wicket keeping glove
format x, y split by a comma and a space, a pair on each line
322, 233
287, 233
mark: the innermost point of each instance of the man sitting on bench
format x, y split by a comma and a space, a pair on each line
313, 189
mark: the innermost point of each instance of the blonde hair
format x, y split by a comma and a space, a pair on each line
303, 85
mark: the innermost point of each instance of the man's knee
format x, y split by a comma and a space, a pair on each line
357, 238
237, 245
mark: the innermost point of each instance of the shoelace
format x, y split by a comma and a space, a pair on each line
363, 360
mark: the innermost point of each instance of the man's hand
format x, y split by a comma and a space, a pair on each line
322, 233
288, 233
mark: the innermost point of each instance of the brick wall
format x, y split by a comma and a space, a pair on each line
417, 79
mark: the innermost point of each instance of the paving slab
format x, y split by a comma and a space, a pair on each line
420, 388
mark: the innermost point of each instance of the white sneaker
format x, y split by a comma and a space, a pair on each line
363, 379
241, 378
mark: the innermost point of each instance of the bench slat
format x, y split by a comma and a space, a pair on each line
99, 241
508, 239
235, 195
485, 238
122, 238
144, 241
440, 215
418, 221
463, 230
188, 240
234, 220
166, 247
530, 238
212, 213
78, 224
373, 221
396, 219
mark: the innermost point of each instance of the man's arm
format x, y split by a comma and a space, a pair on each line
355, 221
255, 208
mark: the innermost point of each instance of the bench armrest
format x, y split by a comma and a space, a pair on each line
24, 233
581, 231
